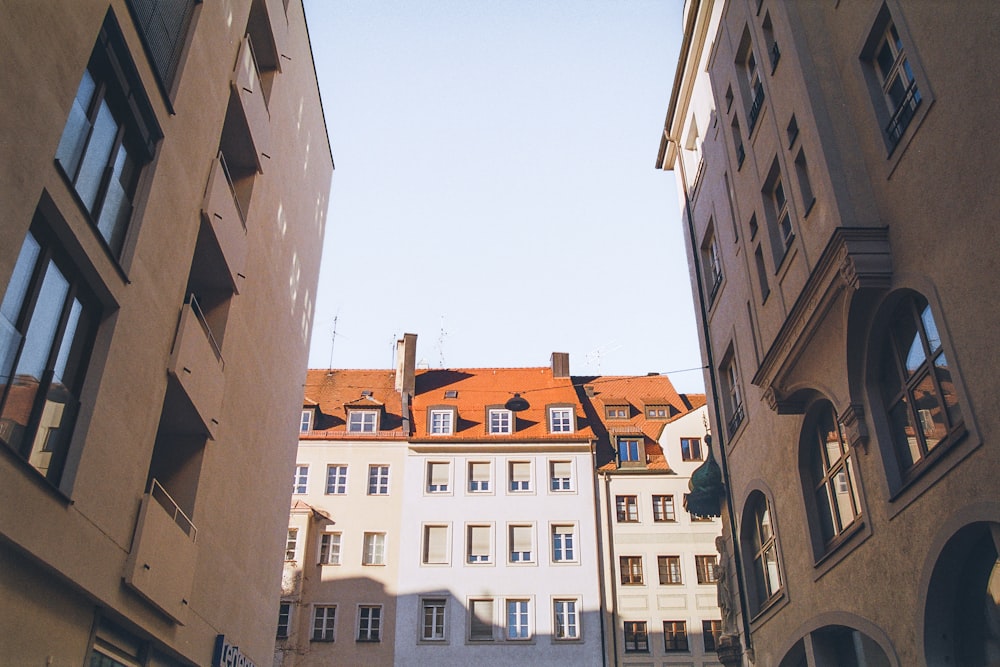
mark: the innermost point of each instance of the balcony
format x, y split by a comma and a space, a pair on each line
755, 106
735, 420
161, 563
197, 366
252, 116
222, 210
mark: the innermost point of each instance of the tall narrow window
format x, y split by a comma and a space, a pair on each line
336, 480
329, 549
566, 623
832, 468
779, 211
627, 509
520, 476
284, 620
669, 570
521, 539
707, 567
517, 619
636, 637
47, 324
481, 617
712, 264
805, 185
561, 475
631, 452
899, 86
479, 476
323, 623
291, 544
163, 26
478, 544
109, 137
765, 288
374, 549
301, 482
711, 631
763, 551
435, 545
437, 476
306, 421
378, 480
432, 628
563, 548
756, 88
370, 623
741, 152
732, 396
917, 387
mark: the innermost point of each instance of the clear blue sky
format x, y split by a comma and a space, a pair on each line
495, 181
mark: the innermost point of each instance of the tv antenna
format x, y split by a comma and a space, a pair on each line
440, 343
333, 338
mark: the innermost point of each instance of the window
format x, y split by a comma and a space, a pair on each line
631, 569
479, 476
833, 478
563, 544
435, 550
765, 288
500, 421
805, 185
301, 482
711, 631
712, 263
362, 421
792, 131
478, 545
900, 93
520, 476
631, 452
627, 508
561, 475
517, 619
707, 567
336, 480
163, 27
917, 387
520, 541
369, 623
691, 449
772, 46
755, 88
779, 213
441, 422
741, 151
675, 636
663, 509
284, 620
329, 549
669, 569
437, 477
109, 137
658, 411
378, 480
432, 627
566, 622
616, 412
766, 581
47, 325
374, 549
732, 399
306, 421
561, 420
323, 622
291, 543
636, 638
481, 620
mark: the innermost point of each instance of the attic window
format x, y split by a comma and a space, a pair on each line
616, 412
451, 393
366, 392
658, 411
362, 421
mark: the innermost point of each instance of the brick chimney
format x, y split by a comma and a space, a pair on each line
406, 363
560, 364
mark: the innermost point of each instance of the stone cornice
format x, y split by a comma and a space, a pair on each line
855, 258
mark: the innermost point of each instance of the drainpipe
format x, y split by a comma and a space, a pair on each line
612, 604
710, 359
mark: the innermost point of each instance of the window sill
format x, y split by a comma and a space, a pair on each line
35, 476
838, 548
948, 454
768, 610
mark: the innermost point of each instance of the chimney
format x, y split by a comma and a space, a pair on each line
560, 364
406, 362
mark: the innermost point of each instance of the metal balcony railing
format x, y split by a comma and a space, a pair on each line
735, 420
232, 190
755, 106
163, 499
904, 114
203, 321
741, 154
775, 56
716, 284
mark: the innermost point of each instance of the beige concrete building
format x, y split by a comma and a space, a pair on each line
837, 168
166, 177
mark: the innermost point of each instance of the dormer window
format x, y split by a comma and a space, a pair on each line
362, 421
561, 420
442, 422
306, 422
657, 411
616, 412
631, 452
501, 421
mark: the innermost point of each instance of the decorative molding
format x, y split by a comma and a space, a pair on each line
855, 258
852, 419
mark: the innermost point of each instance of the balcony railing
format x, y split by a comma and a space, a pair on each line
160, 495
203, 321
755, 106
232, 190
775, 56
741, 154
904, 114
735, 420
716, 284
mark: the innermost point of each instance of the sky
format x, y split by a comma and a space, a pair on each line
495, 189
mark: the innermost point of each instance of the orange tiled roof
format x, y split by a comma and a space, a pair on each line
329, 391
478, 389
637, 392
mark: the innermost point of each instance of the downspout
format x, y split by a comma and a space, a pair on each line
710, 359
612, 604
600, 570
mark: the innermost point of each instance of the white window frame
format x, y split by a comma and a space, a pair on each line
561, 420
373, 549
425, 544
564, 550
378, 479
336, 479
561, 484
369, 625
501, 422
437, 629
330, 548
566, 621
523, 626
511, 481
471, 606
362, 421
441, 487
306, 421
442, 422
292, 545
487, 484
300, 481
520, 557
477, 558
328, 629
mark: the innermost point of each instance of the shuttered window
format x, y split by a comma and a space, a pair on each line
482, 620
435, 545
163, 25
562, 476
437, 477
479, 476
520, 476
479, 544
520, 544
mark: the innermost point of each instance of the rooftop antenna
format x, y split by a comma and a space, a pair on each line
595, 355
440, 344
333, 338
392, 355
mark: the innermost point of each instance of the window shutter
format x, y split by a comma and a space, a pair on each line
479, 472
482, 619
163, 24
438, 474
436, 544
561, 469
520, 538
520, 472
479, 540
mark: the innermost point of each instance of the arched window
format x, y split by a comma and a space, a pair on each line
916, 385
832, 474
761, 550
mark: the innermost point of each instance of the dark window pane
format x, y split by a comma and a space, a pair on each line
904, 434
948, 389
